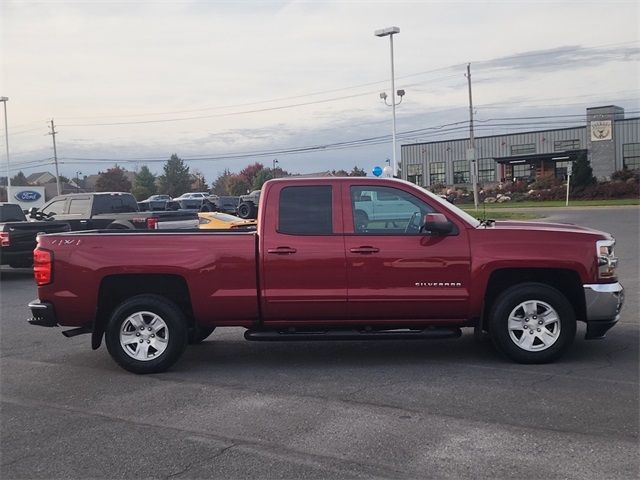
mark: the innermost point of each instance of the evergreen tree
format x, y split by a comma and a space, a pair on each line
144, 184
582, 173
113, 180
19, 180
357, 172
176, 179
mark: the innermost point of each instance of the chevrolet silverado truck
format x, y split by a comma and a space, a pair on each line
110, 210
313, 271
18, 237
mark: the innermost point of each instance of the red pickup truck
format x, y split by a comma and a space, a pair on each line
322, 266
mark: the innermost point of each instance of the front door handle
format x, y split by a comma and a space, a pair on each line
365, 250
282, 250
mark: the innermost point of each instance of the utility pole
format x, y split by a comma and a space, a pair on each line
55, 154
471, 153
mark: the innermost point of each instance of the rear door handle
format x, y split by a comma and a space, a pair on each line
365, 250
282, 250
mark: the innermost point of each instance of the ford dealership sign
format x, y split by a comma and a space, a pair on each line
27, 196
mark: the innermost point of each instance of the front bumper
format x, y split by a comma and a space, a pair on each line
43, 314
603, 302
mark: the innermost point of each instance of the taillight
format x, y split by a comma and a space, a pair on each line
152, 223
42, 266
5, 239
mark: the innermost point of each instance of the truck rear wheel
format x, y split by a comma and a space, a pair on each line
532, 323
146, 334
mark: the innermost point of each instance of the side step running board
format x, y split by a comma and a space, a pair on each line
284, 335
77, 331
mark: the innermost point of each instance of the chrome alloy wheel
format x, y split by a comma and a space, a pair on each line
534, 325
144, 336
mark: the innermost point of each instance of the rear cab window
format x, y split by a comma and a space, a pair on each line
306, 210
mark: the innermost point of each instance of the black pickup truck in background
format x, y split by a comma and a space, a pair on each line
110, 210
18, 236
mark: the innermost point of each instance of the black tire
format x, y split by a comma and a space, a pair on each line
199, 334
120, 226
244, 210
544, 303
175, 332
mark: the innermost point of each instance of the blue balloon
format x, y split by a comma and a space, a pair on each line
377, 171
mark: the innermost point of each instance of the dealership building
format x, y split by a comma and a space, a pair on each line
610, 141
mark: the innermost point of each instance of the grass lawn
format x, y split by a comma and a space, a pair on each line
555, 203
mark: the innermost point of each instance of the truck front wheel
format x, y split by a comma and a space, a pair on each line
146, 334
532, 323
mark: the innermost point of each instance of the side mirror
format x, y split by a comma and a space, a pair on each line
436, 224
33, 211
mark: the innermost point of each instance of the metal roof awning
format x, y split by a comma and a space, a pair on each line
568, 156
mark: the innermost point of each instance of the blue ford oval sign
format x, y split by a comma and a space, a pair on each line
377, 171
27, 196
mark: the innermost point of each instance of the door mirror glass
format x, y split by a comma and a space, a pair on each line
436, 224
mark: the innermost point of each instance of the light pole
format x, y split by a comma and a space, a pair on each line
4, 100
78, 181
390, 32
275, 162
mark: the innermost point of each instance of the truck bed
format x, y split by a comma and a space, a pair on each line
219, 268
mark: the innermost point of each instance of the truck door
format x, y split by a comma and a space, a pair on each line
302, 254
395, 272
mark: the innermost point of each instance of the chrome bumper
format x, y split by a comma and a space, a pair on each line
603, 301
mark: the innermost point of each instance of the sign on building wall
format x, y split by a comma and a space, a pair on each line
601, 130
27, 197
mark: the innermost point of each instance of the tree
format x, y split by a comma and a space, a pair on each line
113, 180
582, 173
357, 172
198, 183
237, 185
62, 178
219, 185
176, 179
249, 173
19, 180
144, 184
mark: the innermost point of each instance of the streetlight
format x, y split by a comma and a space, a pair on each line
4, 100
390, 32
275, 162
78, 181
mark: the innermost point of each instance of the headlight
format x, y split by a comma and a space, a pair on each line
607, 261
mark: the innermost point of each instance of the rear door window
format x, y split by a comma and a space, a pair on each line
306, 210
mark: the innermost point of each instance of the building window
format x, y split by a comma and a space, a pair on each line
436, 173
563, 145
461, 171
521, 171
486, 170
631, 156
414, 173
561, 169
522, 149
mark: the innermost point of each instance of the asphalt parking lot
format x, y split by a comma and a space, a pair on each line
237, 409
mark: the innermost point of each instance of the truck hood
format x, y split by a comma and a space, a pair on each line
546, 227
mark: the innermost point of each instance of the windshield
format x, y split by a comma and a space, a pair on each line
474, 222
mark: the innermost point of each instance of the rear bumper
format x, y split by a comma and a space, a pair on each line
42, 314
603, 302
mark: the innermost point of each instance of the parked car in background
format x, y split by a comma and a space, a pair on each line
248, 205
223, 221
154, 202
18, 236
112, 210
225, 203
192, 200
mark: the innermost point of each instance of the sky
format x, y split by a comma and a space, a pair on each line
226, 84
